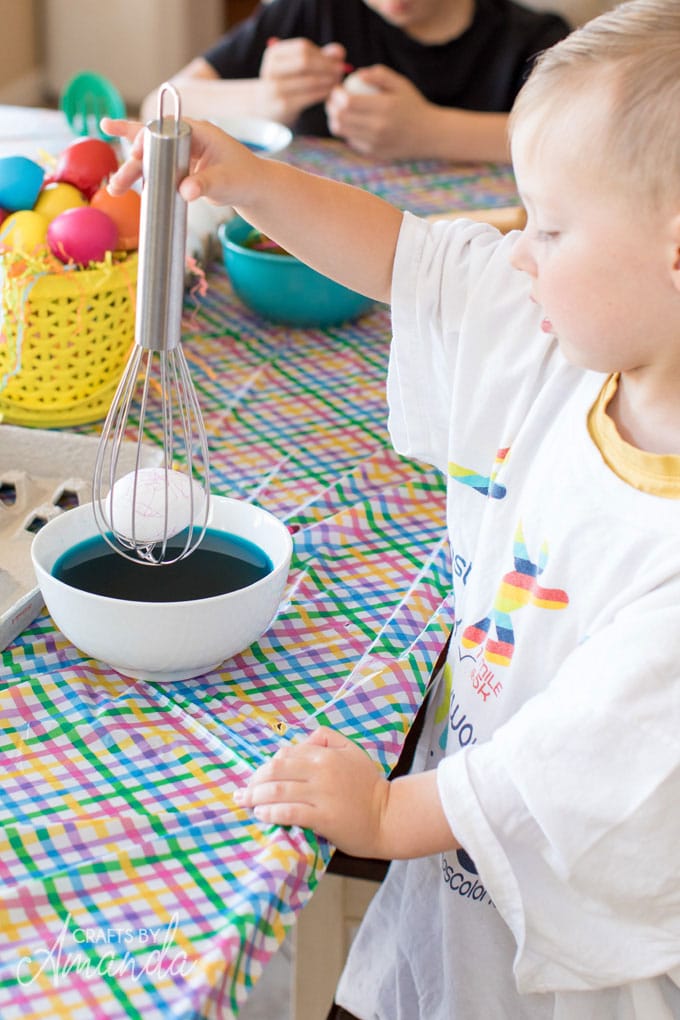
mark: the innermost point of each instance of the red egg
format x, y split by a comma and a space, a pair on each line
3, 215
124, 210
86, 163
82, 235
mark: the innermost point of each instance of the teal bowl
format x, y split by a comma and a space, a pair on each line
283, 289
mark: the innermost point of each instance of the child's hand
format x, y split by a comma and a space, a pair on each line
328, 784
298, 74
387, 123
221, 169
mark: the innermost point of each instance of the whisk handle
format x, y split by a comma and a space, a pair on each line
163, 229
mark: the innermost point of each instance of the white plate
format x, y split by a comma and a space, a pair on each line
265, 136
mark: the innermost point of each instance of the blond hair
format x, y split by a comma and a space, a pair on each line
632, 54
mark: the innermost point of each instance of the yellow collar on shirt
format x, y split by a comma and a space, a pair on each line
655, 473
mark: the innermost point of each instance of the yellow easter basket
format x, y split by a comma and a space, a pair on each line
65, 337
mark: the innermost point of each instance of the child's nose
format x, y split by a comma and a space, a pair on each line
521, 257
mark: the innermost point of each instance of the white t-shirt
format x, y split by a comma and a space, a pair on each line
555, 728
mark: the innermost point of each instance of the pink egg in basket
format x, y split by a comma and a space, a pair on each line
82, 235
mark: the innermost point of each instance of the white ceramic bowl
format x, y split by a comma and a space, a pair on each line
165, 641
267, 137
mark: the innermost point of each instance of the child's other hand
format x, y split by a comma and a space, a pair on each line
387, 123
221, 169
298, 74
326, 783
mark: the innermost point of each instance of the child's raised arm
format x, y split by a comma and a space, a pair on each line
342, 231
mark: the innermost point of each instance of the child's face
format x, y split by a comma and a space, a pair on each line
421, 17
601, 271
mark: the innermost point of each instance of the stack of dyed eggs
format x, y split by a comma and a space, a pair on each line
68, 269
66, 215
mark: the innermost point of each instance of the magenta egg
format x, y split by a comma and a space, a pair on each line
82, 235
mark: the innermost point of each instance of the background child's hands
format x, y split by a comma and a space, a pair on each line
299, 74
328, 784
221, 169
386, 123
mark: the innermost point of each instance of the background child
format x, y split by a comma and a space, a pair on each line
445, 72
537, 836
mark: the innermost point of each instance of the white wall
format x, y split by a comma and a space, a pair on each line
574, 11
20, 71
134, 43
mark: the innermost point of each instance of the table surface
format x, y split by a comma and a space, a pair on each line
132, 885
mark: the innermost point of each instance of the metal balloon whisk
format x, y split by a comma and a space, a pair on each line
138, 513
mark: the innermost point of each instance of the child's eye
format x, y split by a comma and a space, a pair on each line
547, 235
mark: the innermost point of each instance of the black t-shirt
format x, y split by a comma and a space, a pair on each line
482, 69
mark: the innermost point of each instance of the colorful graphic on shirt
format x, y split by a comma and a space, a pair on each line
484, 484
517, 589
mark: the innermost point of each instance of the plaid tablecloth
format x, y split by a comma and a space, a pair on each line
130, 883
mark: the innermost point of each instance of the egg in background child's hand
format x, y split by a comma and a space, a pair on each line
356, 86
149, 495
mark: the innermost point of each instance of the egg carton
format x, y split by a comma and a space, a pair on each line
42, 474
